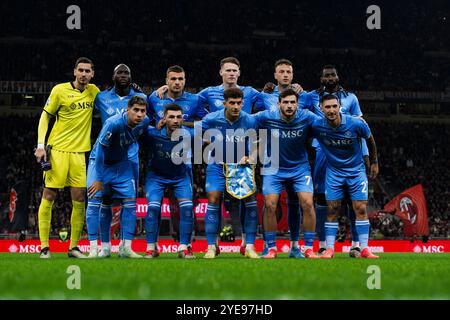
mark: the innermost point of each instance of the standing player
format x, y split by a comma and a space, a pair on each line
284, 74
191, 104
167, 170
340, 136
109, 103
228, 129
72, 103
292, 127
114, 174
349, 105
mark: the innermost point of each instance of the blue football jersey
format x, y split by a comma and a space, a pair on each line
213, 97
232, 137
192, 105
107, 103
269, 101
342, 145
163, 156
117, 136
348, 101
290, 137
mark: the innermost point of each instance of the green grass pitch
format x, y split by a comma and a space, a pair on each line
229, 276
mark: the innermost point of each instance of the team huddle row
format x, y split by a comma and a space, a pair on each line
234, 127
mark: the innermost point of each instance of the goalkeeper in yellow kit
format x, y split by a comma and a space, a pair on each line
72, 103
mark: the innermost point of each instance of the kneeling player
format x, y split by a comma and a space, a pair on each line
167, 169
114, 172
340, 136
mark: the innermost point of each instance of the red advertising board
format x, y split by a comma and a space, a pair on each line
139, 245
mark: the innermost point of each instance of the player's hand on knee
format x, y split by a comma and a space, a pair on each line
297, 88
40, 154
94, 188
161, 91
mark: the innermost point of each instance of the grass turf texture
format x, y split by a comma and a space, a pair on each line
229, 276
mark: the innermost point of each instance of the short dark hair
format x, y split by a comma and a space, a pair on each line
329, 66
172, 107
233, 93
136, 100
287, 93
84, 60
175, 68
328, 97
230, 60
283, 61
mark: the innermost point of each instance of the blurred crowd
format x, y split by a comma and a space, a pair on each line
409, 153
409, 52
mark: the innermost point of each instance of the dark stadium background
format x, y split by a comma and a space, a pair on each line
400, 74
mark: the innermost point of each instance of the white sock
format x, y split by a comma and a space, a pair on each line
322, 244
151, 246
106, 245
294, 244
355, 243
127, 244
93, 243
182, 247
212, 247
243, 243
249, 246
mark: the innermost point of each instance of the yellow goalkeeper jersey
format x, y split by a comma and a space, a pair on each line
73, 110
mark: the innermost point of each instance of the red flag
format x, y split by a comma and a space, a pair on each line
410, 206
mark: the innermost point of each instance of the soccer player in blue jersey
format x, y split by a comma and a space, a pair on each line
349, 105
284, 74
339, 136
230, 72
114, 174
191, 104
229, 130
292, 127
167, 169
107, 104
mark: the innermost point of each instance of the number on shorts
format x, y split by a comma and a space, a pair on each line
364, 184
308, 180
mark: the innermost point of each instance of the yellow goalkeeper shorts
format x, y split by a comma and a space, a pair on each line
68, 170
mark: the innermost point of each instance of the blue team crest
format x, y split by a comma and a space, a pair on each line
110, 110
240, 180
217, 103
348, 134
161, 114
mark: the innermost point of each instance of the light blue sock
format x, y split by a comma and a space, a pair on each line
105, 222
92, 218
186, 221
362, 228
271, 241
128, 219
151, 221
309, 239
212, 223
331, 229
251, 221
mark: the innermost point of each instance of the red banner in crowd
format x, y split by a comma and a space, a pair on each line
170, 246
410, 206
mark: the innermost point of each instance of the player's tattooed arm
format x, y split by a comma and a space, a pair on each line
372, 157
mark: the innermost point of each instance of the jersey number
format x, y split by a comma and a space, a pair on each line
364, 184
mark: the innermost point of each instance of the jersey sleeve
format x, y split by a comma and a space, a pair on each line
306, 102
53, 102
150, 108
365, 150
355, 109
203, 99
200, 110
259, 103
105, 136
363, 129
